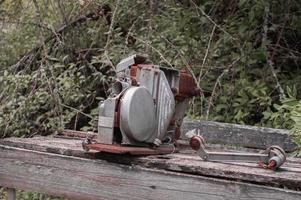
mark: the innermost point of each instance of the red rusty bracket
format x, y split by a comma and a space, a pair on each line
119, 149
188, 87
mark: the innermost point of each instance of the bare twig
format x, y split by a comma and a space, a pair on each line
61, 7
188, 68
211, 20
206, 54
51, 83
79, 111
270, 59
128, 34
183, 58
150, 24
111, 28
217, 83
154, 48
31, 55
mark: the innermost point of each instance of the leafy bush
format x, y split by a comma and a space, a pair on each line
21, 195
287, 115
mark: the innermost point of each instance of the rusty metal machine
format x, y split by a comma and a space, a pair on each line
145, 109
144, 113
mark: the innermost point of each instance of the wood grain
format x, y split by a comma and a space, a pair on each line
80, 178
242, 135
230, 134
289, 176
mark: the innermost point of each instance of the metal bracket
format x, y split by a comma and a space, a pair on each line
88, 144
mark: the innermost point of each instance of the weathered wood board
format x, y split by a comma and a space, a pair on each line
81, 178
289, 176
59, 166
242, 135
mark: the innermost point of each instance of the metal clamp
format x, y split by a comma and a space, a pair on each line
272, 158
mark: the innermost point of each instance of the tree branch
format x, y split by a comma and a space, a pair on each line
32, 55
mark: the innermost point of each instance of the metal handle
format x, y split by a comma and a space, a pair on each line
272, 158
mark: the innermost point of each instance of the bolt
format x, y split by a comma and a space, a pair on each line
85, 144
195, 143
157, 142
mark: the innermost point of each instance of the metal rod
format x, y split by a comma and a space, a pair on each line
273, 158
11, 193
227, 156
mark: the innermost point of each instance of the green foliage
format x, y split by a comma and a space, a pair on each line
21, 195
287, 115
243, 102
296, 131
39, 104
280, 115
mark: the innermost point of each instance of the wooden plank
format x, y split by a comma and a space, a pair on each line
79, 178
68, 147
243, 135
288, 177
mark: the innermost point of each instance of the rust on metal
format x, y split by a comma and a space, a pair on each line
118, 149
195, 142
272, 164
272, 158
77, 134
187, 87
177, 133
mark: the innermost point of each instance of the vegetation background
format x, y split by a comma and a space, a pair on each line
57, 59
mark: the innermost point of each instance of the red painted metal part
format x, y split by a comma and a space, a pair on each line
77, 134
195, 142
118, 149
272, 164
187, 87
